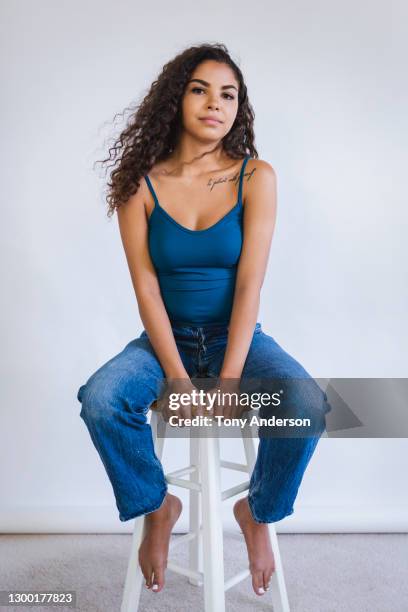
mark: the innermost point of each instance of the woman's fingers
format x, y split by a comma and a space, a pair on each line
223, 400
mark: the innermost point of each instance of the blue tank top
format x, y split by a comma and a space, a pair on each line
196, 269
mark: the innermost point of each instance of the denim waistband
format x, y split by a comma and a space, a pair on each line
208, 329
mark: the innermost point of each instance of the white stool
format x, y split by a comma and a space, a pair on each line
205, 540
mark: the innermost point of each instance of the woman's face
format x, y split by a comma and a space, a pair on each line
212, 91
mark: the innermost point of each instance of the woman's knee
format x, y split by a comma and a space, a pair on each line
99, 399
113, 390
301, 400
308, 402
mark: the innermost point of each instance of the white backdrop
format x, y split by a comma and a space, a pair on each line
326, 82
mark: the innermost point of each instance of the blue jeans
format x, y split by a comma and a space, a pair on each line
116, 399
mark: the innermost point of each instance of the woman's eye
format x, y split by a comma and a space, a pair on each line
201, 89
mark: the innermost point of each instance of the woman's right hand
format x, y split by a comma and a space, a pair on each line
180, 410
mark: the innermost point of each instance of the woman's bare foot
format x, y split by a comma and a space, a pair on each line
260, 555
154, 548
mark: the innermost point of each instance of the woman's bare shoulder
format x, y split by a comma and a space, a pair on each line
260, 166
259, 179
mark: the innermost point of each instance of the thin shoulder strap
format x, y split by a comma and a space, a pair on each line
241, 176
152, 191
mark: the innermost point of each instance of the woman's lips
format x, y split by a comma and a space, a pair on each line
210, 121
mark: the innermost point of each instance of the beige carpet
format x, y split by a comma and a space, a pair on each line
324, 573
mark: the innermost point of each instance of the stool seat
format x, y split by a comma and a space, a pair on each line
205, 535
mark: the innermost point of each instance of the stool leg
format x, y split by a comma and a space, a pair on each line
196, 545
214, 592
158, 426
279, 594
134, 576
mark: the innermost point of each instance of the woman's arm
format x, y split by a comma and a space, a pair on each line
134, 233
259, 223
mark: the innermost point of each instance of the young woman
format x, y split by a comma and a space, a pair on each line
196, 210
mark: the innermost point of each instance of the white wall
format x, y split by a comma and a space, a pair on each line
326, 82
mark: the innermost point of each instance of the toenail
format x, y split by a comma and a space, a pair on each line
261, 590
155, 587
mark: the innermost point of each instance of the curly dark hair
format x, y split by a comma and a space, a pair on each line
154, 125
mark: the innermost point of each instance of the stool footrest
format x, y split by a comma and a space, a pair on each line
239, 488
187, 537
189, 469
185, 484
185, 571
235, 579
239, 467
